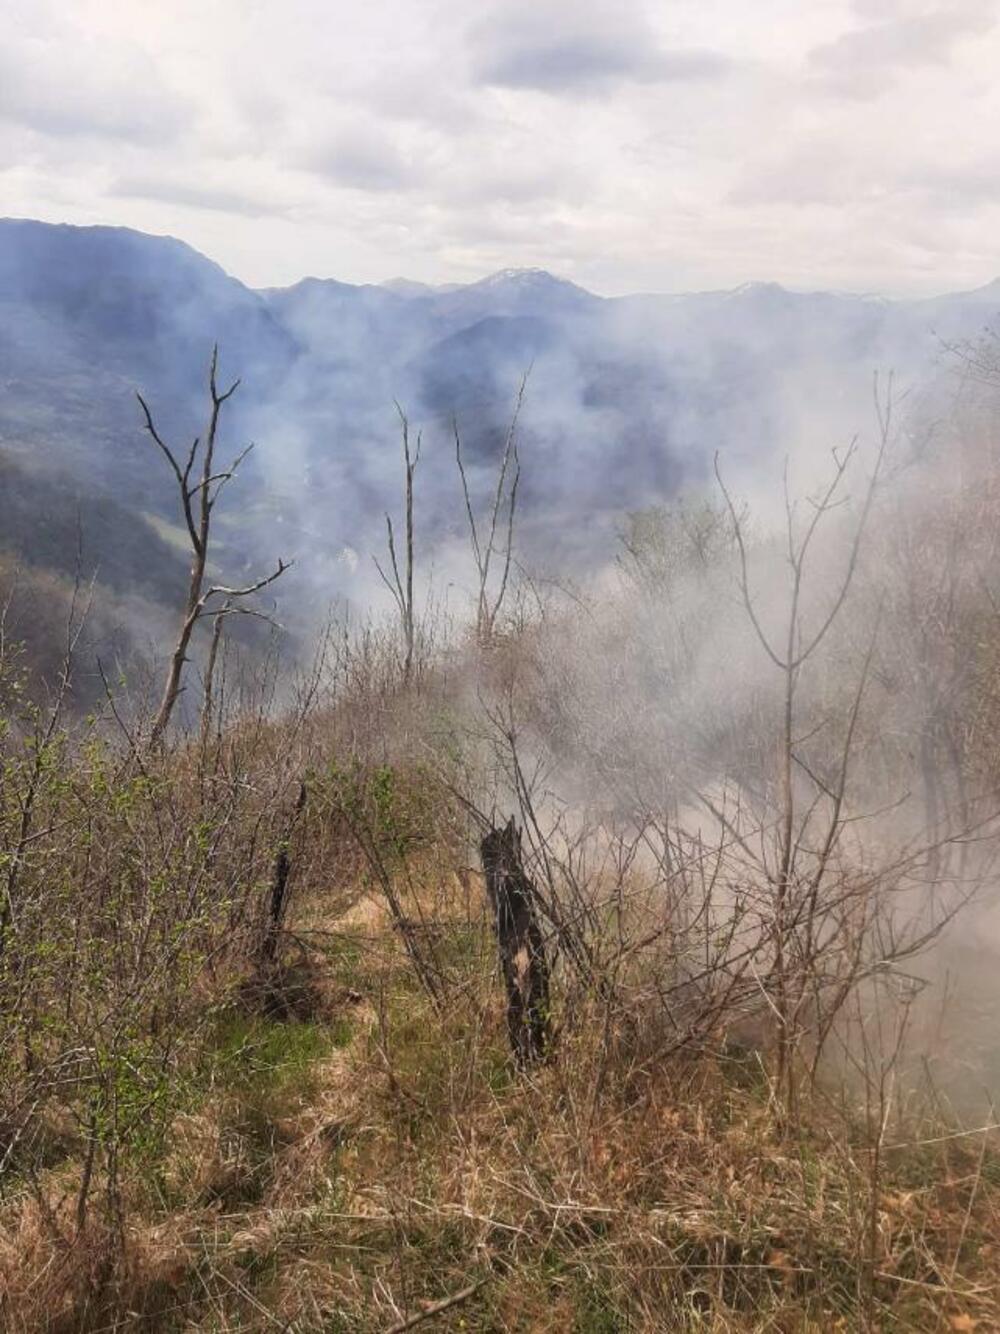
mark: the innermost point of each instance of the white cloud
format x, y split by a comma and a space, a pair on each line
628, 145
552, 49
211, 196
79, 88
863, 61
363, 157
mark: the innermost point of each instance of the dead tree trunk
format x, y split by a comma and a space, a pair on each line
401, 586
488, 606
279, 886
519, 941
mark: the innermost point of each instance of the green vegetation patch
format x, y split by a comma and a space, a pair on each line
271, 1058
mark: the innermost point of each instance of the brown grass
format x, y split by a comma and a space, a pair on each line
348, 1190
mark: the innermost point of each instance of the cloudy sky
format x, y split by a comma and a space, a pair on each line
627, 145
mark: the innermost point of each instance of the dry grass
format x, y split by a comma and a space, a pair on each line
347, 1170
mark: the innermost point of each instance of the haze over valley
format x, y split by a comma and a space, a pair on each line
626, 401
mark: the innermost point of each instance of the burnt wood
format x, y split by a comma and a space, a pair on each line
519, 941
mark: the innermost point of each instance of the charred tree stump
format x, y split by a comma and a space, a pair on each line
279, 886
519, 941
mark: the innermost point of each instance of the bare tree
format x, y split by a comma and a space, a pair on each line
499, 540
401, 587
796, 908
198, 501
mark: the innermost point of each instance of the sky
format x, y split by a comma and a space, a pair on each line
835, 144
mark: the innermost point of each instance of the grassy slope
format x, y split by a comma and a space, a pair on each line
346, 1160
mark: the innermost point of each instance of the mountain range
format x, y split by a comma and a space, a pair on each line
627, 400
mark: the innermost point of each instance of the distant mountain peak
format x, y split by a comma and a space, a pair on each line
765, 289
988, 292
406, 287
525, 278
